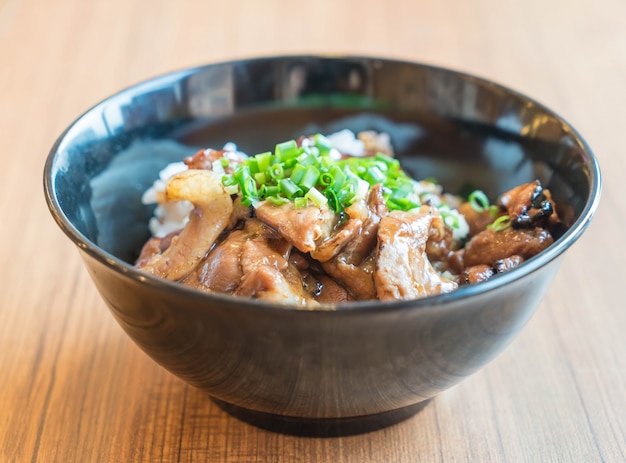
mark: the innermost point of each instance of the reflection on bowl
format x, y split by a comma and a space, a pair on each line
361, 365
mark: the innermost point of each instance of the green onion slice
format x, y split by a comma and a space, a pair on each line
309, 176
478, 201
501, 223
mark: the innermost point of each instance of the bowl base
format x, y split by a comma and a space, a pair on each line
321, 427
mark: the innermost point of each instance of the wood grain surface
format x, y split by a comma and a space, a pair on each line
74, 388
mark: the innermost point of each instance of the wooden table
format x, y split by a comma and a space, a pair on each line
74, 388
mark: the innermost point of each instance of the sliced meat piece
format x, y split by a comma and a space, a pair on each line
490, 246
239, 254
476, 274
363, 245
442, 253
154, 246
262, 280
221, 271
353, 266
529, 205
325, 290
302, 227
330, 247
356, 278
508, 263
211, 214
252, 262
240, 212
403, 270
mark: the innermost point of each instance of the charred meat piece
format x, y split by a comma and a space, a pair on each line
482, 272
476, 274
403, 270
490, 246
508, 263
325, 290
529, 205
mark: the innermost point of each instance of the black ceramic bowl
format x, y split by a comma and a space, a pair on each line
343, 369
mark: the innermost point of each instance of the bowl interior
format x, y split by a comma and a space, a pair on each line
465, 132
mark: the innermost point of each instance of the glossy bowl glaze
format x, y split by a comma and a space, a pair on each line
336, 370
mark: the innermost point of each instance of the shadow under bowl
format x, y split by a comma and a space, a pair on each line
341, 369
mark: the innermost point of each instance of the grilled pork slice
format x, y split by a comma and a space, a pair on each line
303, 227
403, 270
529, 205
208, 219
490, 246
252, 262
353, 264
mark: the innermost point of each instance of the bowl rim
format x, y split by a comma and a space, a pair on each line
464, 292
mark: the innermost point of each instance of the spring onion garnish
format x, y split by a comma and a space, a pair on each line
478, 201
501, 223
308, 175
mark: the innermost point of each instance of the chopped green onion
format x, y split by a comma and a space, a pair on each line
299, 203
402, 204
493, 211
338, 176
361, 190
322, 143
263, 160
316, 197
327, 162
310, 178
288, 188
260, 178
346, 193
277, 171
267, 191
277, 200
253, 165
451, 220
333, 202
501, 223
478, 201
231, 189
229, 180
326, 179
309, 160
374, 175
309, 173
297, 173
287, 150
388, 160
